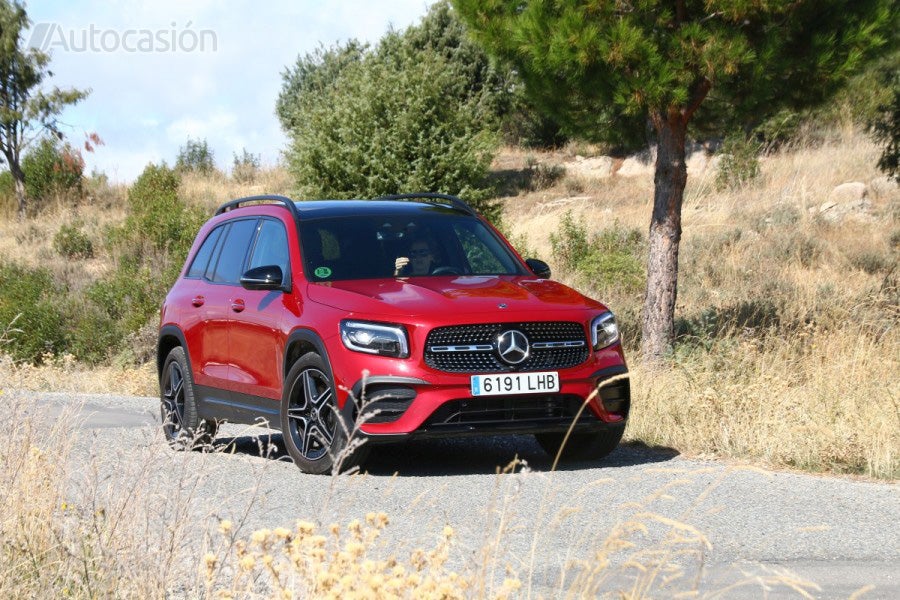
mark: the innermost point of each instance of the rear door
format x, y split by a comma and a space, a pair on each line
223, 287
258, 332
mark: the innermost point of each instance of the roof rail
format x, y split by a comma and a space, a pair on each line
264, 198
431, 196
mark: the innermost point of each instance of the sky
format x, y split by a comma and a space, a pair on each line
164, 71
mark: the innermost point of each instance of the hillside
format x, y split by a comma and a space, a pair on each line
788, 298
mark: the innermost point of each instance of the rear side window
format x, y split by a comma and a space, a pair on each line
230, 265
201, 259
271, 247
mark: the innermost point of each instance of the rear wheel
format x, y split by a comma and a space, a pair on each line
181, 423
581, 446
316, 436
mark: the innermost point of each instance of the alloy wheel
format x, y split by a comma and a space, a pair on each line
312, 422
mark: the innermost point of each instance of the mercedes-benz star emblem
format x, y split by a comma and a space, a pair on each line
512, 345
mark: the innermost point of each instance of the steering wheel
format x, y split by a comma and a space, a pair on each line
445, 270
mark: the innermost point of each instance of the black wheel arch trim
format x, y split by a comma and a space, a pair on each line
171, 331
311, 337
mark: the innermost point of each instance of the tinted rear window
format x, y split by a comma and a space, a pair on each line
201, 259
230, 265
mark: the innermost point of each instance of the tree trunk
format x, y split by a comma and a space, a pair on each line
658, 328
19, 179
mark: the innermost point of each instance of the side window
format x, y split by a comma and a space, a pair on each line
201, 259
271, 247
229, 267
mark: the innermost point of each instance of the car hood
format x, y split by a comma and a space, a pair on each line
451, 294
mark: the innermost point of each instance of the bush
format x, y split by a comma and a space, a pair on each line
539, 176
52, 170
740, 162
195, 156
608, 258
158, 217
387, 126
419, 112
246, 167
149, 250
71, 242
31, 296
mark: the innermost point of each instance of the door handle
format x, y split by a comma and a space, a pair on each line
198, 300
237, 305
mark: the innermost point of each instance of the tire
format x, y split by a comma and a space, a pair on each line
181, 424
315, 432
581, 446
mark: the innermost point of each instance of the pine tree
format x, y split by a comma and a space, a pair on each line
612, 70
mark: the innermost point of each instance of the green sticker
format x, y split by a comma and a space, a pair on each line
322, 272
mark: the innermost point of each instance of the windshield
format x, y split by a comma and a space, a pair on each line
369, 247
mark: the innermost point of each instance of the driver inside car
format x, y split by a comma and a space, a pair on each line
419, 262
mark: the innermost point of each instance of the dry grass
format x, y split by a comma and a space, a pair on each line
89, 523
790, 347
209, 192
789, 342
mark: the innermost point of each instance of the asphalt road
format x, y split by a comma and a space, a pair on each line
837, 533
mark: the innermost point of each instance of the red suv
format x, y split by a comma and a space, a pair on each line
348, 321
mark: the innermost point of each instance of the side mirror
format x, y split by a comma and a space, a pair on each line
539, 267
268, 277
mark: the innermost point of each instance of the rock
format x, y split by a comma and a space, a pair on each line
852, 191
597, 167
633, 166
847, 200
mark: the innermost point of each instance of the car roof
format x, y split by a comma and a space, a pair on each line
400, 204
320, 209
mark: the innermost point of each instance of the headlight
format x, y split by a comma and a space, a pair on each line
604, 331
375, 338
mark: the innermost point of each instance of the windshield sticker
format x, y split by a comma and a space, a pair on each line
322, 272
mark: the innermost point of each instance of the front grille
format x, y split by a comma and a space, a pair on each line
558, 409
472, 348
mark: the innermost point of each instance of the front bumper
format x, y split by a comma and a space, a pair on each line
391, 407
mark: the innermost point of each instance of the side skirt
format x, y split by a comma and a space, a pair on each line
222, 405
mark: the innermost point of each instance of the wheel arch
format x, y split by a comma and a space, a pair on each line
170, 336
302, 341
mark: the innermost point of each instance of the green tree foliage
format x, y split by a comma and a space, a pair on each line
52, 169
420, 111
392, 125
312, 74
25, 109
886, 129
195, 156
614, 71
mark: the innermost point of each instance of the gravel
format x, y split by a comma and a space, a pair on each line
838, 532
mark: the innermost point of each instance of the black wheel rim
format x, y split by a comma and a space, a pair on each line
311, 418
173, 400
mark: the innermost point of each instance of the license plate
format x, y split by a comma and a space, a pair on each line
515, 383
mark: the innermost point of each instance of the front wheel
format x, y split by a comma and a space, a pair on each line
581, 446
181, 423
316, 436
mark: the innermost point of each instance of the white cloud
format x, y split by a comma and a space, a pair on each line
146, 105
